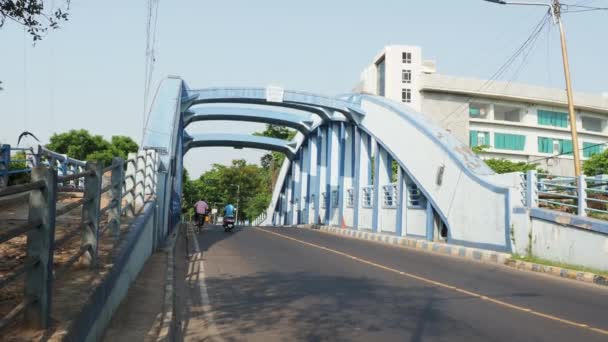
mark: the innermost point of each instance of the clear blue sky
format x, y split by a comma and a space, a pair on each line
90, 74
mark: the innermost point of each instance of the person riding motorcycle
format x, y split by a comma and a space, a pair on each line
200, 212
228, 217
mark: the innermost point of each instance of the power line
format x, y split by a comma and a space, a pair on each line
531, 38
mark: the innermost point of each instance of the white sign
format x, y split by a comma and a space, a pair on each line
274, 94
214, 211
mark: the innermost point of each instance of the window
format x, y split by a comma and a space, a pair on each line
545, 145
565, 146
406, 76
390, 198
350, 197
367, 196
478, 110
415, 198
406, 95
590, 149
312, 201
324, 200
381, 67
407, 57
478, 138
550, 118
503, 141
592, 124
507, 113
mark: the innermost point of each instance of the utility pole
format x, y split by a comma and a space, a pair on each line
555, 10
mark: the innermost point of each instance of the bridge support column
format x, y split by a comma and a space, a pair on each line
382, 179
332, 162
297, 188
376, 184
356, 184
364, 211
401, 202
320, 173
341, 171
305, 183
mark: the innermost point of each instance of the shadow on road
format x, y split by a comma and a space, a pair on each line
310, 307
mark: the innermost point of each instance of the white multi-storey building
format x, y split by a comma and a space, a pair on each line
518, 122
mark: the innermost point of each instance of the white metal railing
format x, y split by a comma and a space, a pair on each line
415, 198
390, 198
367, 196
350, 198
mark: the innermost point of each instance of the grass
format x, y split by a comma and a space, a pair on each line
540, 261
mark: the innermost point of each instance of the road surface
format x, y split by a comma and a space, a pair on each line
289, 284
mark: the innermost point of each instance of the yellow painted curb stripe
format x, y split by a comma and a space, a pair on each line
446, 286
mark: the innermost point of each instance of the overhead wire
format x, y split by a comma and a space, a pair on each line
150, 59
505, 66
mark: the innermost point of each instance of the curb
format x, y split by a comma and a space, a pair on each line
475, 254
167, 326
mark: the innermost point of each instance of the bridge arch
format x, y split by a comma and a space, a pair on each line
340, 166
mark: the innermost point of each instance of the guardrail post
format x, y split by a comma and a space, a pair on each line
531, 189
140, 178
40, 248
90, 211
129, 185
5, 160
581, 189
117, 179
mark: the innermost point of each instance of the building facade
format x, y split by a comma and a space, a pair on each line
518, 122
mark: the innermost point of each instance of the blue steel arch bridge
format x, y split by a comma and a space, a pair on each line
338, 169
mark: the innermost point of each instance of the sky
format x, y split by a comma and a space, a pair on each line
90, 73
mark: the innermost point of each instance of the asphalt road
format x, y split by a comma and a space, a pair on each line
289, 284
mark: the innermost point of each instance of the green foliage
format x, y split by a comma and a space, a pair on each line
31, 15
218, 187
272, 161
506, 166
80, 144
597, 164
18, 178
503, 165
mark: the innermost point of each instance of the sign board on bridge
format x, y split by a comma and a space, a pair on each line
274, 94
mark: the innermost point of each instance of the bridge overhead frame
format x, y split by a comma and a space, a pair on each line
357, 161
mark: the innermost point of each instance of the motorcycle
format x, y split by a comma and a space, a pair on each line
228, 224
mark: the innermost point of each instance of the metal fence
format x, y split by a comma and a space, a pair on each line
39, 156
128, 188
583, 196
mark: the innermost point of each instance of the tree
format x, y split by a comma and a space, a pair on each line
32, 15
503, 165
219, 185
272, 161
597, 164
80, 144
506, 166
124, 145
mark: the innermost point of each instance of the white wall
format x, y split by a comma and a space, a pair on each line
465, 195
568, 244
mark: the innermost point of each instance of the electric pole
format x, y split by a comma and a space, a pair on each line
555, 9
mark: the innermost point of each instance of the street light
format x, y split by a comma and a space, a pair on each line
555, 10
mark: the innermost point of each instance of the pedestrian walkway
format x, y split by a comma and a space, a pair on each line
140, 315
